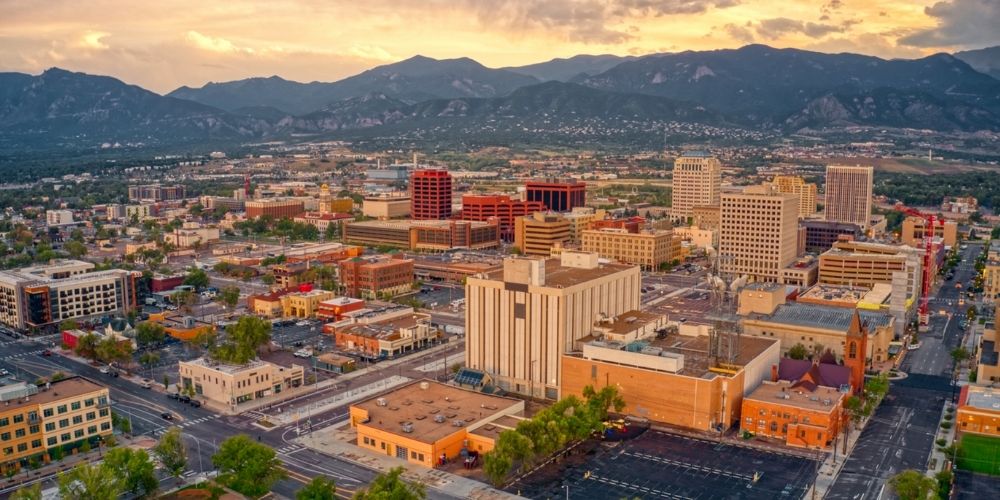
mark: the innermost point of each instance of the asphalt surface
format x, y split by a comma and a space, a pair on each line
661, 465
900, 435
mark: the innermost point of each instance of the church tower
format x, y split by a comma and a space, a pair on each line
855, 352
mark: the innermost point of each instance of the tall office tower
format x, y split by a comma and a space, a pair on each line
430, 194
697, 183
557, 196
758, 232
806, 191
521, 320
849, 194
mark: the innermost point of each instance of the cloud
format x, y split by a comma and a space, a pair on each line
968, 23
94, 40
865, 43
777, 27
214, 44
739, 33
373, 52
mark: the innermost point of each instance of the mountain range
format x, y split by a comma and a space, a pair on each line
752, 88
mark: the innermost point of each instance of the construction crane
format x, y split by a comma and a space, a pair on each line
928, 243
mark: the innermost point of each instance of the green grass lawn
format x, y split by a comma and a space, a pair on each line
980, 454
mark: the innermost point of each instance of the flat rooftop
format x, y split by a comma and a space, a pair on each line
560, 276
629, 321
839, 293
384, 330
782, 392
694, 349
432, 408
406, 224
983, 399
823, 317
57, 391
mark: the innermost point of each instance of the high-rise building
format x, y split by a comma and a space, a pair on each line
820, 235
536, 234
806, 191
520, 321
849, 194
646, 249
758, 233
500, 206
430, 194
697, 183
558, 196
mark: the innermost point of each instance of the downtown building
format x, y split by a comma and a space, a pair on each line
156, 192
758, 234
648, 249
849, 194
498, 207
558, 196
430, 194
806, 192
697, 182
276, 208
64, 289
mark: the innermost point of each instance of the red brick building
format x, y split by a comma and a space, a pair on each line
485, 207
370, 278
430, 194
630, 224
557, 196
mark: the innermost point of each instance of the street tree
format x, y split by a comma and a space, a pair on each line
185, 299
912, 485
111, 350
391, 485
149, 332
229, 296
196, 278
171, 452
798, 351
247, 466
32, 492
959, 354
134, 470
244, 337
89, 482
320, 488
148, 359
75, 249
86, 346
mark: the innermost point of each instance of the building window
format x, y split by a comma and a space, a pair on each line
19, 433
36, 443
18, 418
52, 441
22, 447
4, 421
105, 426
89, 402
49, 427
8, 451
5, 436
78, 433
75, 405
61, 409
92, 429
64, 423
103, 412
77, 419
91, 415
33, 429
65, 437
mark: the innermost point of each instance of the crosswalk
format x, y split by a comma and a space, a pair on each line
189, 423
292, 448
256, 415
22, 355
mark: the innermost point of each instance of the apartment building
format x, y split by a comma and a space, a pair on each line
65, 413
227, 386
520, 321
276, 208
849, 194
156, 192
697, 182
915, 228
375, 277
538, 233
499, 207
805, 191
646, 249
56, 218
991, 279
558, 196
758, 232
430, 194
64, 289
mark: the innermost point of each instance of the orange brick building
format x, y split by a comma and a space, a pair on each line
803, 415
979, 411
369, 278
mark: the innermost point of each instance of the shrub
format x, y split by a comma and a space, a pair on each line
946, 425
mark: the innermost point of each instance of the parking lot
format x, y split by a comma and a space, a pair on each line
661, 465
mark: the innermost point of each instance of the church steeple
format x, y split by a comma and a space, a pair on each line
855, 351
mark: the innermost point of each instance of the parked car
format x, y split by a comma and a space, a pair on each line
146, 383
303, 353
46, 353
173, 395
105, 370
184, 398
195, 403
914, 346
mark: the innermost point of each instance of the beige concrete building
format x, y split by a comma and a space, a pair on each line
806, 192
706, 217
192, 234
914, 228
520, 321
758, 234
697, 182
580, 219
987, 355
647, 249
304, 304
764, 313
227, 386
386, 207
538, 233
849, 194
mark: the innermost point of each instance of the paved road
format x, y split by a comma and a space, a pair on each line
901, 434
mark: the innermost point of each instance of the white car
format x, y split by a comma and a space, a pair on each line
914, 346
302, 323
303, 353
105, 369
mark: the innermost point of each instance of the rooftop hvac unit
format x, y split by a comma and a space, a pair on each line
457, 423
381, 402
424, 385
407, 427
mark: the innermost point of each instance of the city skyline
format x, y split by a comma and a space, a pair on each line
164, 46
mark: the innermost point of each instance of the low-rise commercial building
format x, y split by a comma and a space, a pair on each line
334, 309
192, 234
181, 327
987, 356
581, 219
647, 249
303, 304
434, 235
387, 338
61, 414
804, 413
538, 233
451, 270
376, 277
228, 385
429, 423
323, 220
991, 279
914, 230
978, 411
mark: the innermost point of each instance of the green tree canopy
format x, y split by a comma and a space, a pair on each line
230, 296
243, 339
89, 482
390, 485
912, 485
798, 351
134, 469
171, 452
247, 466
32, 492
149, 332
196, 278
320, 488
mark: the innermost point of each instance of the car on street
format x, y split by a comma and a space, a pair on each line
105, 370
195, 403
4, 372
184, 398
46, 353
914, 346
302, 323
167, 416
173, 395
146, 383
303, 353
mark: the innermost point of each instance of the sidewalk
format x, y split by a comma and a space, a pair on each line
938, 461
830, 468
338, 442
28, 476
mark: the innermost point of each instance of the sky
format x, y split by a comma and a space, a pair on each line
161, 45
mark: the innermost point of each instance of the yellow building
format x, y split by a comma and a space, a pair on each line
425, 421
805, 191
647, 249
697, 182
580, 219
988, 359
914, 228
538, 233
519, 321
35, 419
991, 279
303, 304
706, 217
227, 385
758, 233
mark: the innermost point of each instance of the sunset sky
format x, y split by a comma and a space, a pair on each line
162, 45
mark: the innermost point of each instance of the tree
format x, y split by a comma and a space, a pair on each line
148, 359
184, 299
959, 354
171, 452
598, 402
196, 278
86, 346
320, 488
33, 492
247, 466
798, 351
68, 324
121, 423
75, 249
166, 381
134, 470
76, 235
112, 350
389, 485
230, 296
267, 279
244, 338
149, 332
89, 482
911, 485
